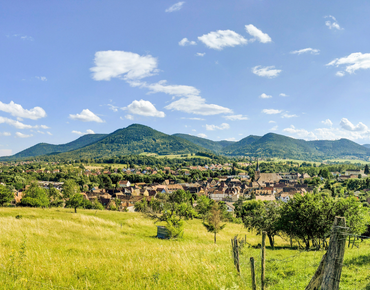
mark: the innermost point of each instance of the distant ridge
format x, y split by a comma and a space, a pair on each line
137, 139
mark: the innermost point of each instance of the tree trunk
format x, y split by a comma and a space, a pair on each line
75, 209
215, 238
271, 240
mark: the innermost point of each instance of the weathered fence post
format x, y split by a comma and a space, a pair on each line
253, 273
327, 275
334, 255
263, 260
235, 248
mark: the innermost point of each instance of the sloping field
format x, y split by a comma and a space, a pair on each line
57, 249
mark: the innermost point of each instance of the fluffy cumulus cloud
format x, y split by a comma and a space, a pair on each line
332, 23
86, 116
300, 133
144, 108
283, 95
129, 117
223, 126
163, 87
200, 54
264, 96
286, 115
352, 62
14, 123
197, 105
17, 110
327, 122
88, 131
21, 135
131, 66
112, 107
236, 117
347, 125
340, 74
201, 135
271, 111
257, 34
306, 50
5, 134
222, 38
185, 41
175, 7
267, 71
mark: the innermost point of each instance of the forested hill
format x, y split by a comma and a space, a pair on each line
45, 148
215, 146
135, 139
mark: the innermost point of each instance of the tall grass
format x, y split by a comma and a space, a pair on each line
55, 248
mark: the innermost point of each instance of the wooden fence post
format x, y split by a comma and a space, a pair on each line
334, 255
236, 247
253, 273
263, 260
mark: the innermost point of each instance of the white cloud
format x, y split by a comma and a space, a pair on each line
271, 111
86, 116
112, 107
88, 131
113, 64
223, 126
21, 135
353, 62
185, 42
347, 125
258, 34
274, 128
44, 79
340, 74
271, 122
332, 24
201, 135
327, 122
222, 38
38, 131
235, 117
306, 50
264, 96
144, 108
195, 119
129, 117
230, 139
200, 54
5, 152
197, 105
17, 110
5, 134
49, 133
175, 7
44, 127
283, 95
285, 115
23, 37
267, 71
300, 133
14, 123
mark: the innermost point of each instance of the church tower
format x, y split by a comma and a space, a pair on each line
257, 173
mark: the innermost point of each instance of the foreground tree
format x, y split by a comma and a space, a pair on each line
6, 195
262, 217
35, 196
214, 221
75, 201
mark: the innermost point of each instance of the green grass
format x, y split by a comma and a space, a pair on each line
113, 250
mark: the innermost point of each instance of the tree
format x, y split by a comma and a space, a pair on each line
75, 201
6, 195
262, 217
204, 205
214, 221
54, 196
35, 196
366, 170
70, 188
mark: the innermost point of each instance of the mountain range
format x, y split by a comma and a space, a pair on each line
136, 139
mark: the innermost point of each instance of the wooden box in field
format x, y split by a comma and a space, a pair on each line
163, 233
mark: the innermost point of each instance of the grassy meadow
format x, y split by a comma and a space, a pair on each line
58, 249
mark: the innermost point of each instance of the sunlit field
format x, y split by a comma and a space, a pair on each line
58, 249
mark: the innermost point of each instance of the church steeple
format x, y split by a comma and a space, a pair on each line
258, 167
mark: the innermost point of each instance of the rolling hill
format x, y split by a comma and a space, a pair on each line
45, 148
135, 139
215, 146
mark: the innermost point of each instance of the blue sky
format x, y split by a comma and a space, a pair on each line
215, 69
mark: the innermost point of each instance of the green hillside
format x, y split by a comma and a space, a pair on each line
45, 148
215, 146
135, 139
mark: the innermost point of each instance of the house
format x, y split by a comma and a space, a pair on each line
266, 197
229, 207
124, 183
